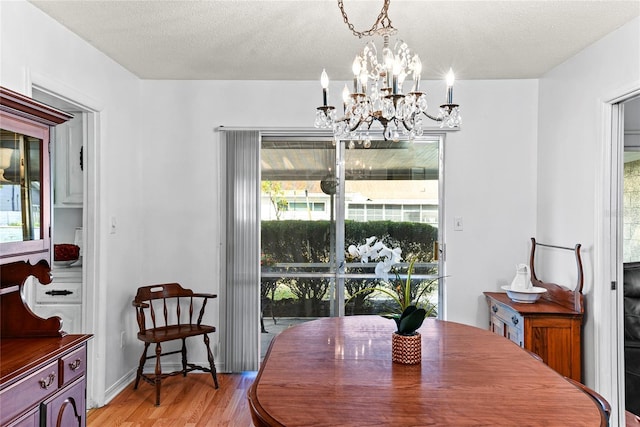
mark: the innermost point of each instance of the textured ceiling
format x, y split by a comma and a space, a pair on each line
295, 40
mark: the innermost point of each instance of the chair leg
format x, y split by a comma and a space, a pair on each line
212, 364
143, 359
158, 373
184, 357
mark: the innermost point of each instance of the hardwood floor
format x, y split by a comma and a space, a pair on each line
190, 401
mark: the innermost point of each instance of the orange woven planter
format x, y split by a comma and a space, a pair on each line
406, 349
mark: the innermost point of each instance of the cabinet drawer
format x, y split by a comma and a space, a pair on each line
59, 293
28, 392
507, 315
72, 366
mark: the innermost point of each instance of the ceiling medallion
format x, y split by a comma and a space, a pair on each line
378, 98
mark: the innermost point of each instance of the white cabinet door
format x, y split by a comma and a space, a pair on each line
68, 152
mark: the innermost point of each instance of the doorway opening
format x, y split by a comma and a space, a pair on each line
631, 253
81, 196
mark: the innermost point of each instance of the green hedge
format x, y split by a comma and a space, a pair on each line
296, 241
309, 241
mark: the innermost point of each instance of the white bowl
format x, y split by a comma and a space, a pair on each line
65, 263
527, 296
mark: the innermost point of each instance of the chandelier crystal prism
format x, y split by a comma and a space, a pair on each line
378, 100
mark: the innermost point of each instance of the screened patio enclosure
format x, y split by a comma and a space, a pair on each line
318, 197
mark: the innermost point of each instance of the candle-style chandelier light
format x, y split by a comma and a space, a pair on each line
378, 91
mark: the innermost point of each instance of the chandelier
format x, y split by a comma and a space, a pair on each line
378, 99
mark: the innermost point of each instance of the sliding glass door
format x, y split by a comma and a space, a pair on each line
319, 197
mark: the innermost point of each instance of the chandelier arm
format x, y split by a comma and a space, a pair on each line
407, 126
434, 118
351, 129
383, 19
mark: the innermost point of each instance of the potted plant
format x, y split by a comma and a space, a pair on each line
410, 311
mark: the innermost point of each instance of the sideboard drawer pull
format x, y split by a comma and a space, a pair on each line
63, 292
45, 383
74, 365
514, 319
494, 308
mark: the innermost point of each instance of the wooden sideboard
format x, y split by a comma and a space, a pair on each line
42, 381
544, 328
550, 327
42, 368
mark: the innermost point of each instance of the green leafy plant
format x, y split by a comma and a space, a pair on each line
410, 320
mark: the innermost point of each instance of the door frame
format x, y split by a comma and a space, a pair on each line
430, 135
94, 314
608, 298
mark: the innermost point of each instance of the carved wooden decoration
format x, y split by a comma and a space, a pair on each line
16, 319
570, 298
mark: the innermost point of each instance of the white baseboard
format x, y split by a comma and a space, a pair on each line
126, 380
119, 386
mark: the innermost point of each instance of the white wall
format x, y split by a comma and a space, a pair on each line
489, 175
158, 142
570, 147
490, 168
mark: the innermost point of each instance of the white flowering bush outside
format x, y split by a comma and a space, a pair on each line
375, 250
404, 293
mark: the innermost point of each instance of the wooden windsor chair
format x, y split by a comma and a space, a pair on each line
166, 313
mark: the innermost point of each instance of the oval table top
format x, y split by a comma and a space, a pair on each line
338, 372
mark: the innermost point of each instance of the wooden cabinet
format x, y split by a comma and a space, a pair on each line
544, 328
25, 175
42, 381
42, 368
550, 327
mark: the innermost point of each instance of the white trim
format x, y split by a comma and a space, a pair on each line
94, 314
442, 234
607, 307
122, 384
326, 133
279, 132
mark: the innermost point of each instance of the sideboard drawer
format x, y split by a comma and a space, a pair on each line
59, 292
28, 392
507, 322
72, 366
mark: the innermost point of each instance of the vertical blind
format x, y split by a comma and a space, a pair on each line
241, 287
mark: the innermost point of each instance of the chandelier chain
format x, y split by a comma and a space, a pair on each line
383, 21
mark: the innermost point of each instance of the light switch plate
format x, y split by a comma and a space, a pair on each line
457, 223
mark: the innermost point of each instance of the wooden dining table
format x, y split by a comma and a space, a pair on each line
338, 372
